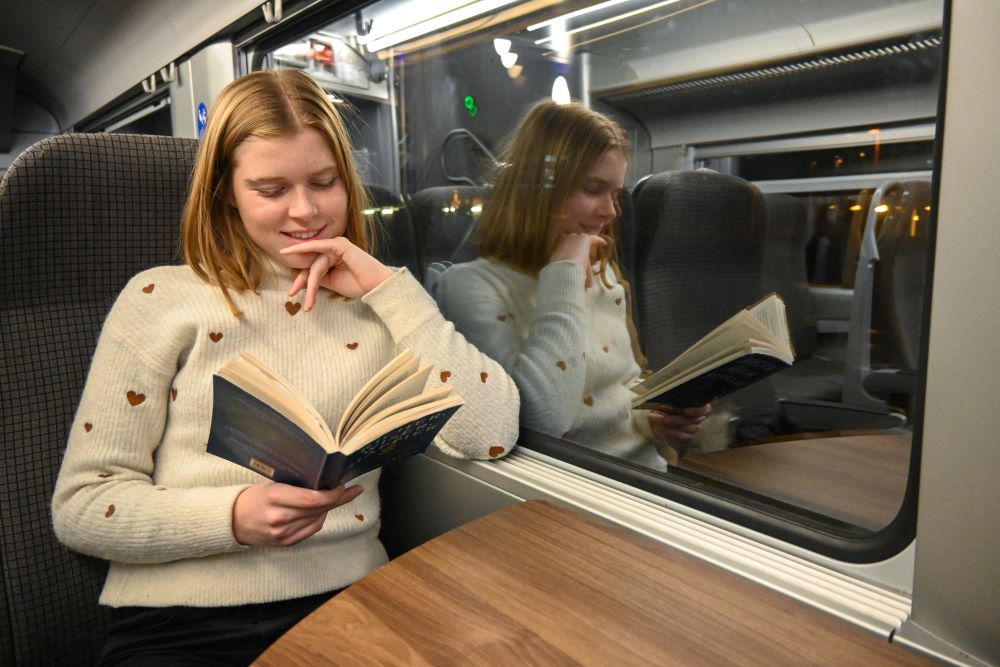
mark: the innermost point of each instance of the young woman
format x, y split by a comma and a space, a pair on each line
544, 299
209, 562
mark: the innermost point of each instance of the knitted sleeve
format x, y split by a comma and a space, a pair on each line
487, 425
106, 503
547, 363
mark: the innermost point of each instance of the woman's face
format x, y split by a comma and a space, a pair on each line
592, 207
288, 190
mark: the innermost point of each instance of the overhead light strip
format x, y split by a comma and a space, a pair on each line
579, 12
619, 17
436, 23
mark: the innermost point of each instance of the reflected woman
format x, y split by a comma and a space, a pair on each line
545, 299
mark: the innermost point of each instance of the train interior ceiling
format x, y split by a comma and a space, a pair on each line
776, 145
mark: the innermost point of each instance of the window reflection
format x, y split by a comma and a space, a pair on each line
814, 123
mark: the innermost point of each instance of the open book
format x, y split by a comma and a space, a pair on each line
260, 421
749, 346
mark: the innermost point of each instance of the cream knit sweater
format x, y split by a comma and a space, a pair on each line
568, 349
137, 487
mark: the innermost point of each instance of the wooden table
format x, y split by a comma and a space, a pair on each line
859, 479
534, 584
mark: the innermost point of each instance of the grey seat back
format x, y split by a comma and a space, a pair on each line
785, 268
887, 307
396, 242
699, 248
79, 216
444, 221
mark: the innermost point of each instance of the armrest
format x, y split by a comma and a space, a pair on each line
815, 415
891, 381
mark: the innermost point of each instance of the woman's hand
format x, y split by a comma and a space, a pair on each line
280, 515
579, 249
339, 266
679, 425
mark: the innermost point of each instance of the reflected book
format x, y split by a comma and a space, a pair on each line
260, 421
748, 347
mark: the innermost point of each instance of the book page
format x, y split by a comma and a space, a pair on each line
770, 311
255, 377
400, 414
733, 332
402, 365
407, 388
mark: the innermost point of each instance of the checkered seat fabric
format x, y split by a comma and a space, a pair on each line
80, 214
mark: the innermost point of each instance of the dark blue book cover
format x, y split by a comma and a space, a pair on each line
249, 432
725, 379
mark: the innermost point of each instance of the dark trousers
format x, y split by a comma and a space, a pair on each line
162, 636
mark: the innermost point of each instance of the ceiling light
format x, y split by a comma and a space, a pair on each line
560, 91
508, 59
579, 12
502, 46
433, 23
618, 17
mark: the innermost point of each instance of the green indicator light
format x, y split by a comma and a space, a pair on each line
470, 105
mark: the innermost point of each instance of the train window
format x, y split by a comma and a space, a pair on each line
820, 451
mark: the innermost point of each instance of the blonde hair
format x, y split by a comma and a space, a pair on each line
268, 105
551, 153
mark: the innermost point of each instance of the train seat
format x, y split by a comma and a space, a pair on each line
396, 244
698, 259
887, 311
79, 215
444, 219
812, 376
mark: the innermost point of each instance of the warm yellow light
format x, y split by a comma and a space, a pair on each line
927, 208
856, 207
881, 208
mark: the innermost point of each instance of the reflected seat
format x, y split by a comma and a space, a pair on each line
699, 243
396, 243
444, 222
884, 342
79, 216
812, 376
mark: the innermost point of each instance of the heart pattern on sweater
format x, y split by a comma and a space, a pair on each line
561, 364
495, 451
216, 336
134, 398
109, 511
483, 376
87, 426
292, 307
588, 401
445, 375
352, 346
173, 393
359, 517
148, 289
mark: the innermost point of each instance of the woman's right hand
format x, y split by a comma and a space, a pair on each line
280, 515
579, 249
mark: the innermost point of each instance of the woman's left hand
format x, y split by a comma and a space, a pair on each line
339, 266
671, 424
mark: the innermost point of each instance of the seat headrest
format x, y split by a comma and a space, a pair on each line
82, 209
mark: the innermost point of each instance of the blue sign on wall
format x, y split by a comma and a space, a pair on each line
202, 119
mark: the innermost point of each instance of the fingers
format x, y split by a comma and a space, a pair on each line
674, 426
692, 412
319, 268
273, 514
301, 276
293, 497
